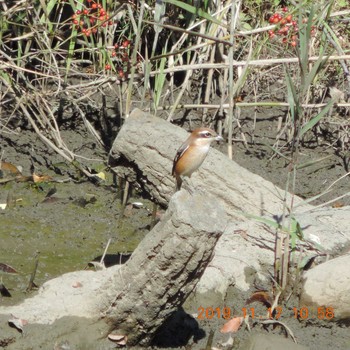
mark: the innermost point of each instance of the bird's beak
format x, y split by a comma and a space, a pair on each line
219, 138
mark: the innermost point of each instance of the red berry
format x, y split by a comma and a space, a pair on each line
85, 12
94, 6
279, 16
285, 9
294, 23
114, 54
88, 32
283, 21
102, 12
121, 74
99, 6
92, 20
126, 43
116, 46
289, 18
284, 40
74, 16
271, 19
75, 21
271, 32
78, 12
94, 30
275, 20
283, 30
110, 23
293, 43
89, 1
107, 67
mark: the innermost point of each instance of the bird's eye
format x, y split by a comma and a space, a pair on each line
207, 134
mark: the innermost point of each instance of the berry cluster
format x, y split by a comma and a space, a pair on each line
120, 54
91, 18
288, 28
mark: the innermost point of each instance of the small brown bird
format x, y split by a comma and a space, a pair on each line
192, 153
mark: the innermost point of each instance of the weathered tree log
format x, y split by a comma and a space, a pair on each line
165, 267
144, 151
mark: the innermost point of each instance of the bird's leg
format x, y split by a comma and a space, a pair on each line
178, 183
189, 185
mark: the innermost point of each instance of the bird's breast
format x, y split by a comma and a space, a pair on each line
191, 160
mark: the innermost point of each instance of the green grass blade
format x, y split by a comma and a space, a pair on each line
292, 97
316, 119
195, 11
312, 162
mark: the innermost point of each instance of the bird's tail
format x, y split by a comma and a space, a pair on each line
178, 183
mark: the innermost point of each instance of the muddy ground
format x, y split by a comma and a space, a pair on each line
65, 230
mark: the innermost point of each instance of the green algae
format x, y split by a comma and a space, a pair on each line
64, 233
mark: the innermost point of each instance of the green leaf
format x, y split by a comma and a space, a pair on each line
316, 119
312, 162
195, 11
295, 232
292, 97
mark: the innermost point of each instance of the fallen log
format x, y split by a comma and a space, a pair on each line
143, 153
165, 267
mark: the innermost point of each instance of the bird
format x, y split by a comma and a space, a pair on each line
191, 154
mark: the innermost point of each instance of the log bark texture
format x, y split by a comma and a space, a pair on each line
165, 267
143, 153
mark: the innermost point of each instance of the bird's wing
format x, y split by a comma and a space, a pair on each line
178, 155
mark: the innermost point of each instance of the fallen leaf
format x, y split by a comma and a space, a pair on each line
19, 323
118, 338
10, 168
43, 178
261, 296
7, 268
338, 204
232, 325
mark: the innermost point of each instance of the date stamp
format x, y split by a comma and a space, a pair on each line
303, 313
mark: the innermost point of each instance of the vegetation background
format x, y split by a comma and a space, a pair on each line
271, 76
